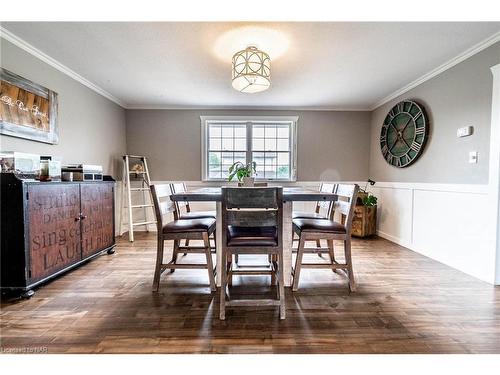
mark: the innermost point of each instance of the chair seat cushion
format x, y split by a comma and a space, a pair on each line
307, 215
190, 225
198, 215
252, 236
318, 225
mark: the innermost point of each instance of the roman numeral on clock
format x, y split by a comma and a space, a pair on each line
415, 146
400, 107
384, 149
419, 131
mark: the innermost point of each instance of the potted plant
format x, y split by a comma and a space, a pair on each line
369, 200
244, 173
365, 213
363, 195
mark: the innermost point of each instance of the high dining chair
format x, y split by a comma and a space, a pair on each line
324, 188
330, 230
183, 209
252, 223
193, 229
317, 214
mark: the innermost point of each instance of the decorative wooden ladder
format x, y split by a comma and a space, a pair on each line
139, 173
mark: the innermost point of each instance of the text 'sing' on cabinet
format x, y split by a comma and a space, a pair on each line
50, 227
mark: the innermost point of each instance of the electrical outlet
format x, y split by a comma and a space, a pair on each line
465, 131
473, 157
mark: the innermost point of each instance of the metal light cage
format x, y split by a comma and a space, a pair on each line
251, 70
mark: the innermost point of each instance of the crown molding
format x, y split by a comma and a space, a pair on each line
440, 69
14, 39
248, 108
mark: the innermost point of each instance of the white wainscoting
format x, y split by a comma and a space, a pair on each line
448, 223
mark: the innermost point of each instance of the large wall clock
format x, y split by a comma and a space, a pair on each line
404, 133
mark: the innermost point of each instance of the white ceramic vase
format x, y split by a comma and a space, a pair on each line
248, 181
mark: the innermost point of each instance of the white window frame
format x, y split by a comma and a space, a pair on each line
248, 120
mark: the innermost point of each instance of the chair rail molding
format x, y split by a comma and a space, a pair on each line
494, 169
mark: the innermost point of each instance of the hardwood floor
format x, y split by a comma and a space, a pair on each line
405, 303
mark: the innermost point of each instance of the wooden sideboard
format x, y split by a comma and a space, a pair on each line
48, 228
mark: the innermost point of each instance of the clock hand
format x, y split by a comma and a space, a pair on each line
406, 143
394, 144
391, 124
404, 128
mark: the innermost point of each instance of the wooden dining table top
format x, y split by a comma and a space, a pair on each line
214, 194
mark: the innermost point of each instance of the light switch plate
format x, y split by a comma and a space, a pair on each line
473, 157
465, 131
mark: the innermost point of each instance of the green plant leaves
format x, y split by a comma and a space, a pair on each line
241, 170
370, 200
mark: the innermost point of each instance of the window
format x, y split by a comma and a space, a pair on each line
269, 141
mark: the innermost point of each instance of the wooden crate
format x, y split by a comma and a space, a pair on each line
364, 222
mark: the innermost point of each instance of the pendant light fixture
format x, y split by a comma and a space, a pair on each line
251, 70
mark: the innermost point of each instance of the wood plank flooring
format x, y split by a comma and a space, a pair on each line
405, 303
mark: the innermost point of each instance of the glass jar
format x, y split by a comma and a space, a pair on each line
44, 170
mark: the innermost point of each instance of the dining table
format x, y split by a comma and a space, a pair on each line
290, 195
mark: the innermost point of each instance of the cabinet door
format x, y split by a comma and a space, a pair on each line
54, 227
97, 217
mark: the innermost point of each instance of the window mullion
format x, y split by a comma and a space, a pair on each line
249, 142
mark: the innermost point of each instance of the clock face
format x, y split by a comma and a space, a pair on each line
404, 133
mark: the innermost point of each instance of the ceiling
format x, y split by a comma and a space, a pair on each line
188, 65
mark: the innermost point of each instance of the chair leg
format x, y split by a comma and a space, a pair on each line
210, 265
229, 267
159, 262
348, 258
318, 245
186, 244
298, 264
281, 285
236, 258
174, 254
215, 242
331, 251
273, 264
223, 283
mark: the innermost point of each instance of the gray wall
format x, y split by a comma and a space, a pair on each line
458, 97
91, 127
331, 145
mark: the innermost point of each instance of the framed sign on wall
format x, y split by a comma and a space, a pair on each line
27, 110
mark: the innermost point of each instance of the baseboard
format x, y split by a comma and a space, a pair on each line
394, 239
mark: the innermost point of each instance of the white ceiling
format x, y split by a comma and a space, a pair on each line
325, 66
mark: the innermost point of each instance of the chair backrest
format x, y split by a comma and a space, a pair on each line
176, 188
256, 184
162, 203
252, 207
347, 194
326, 188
